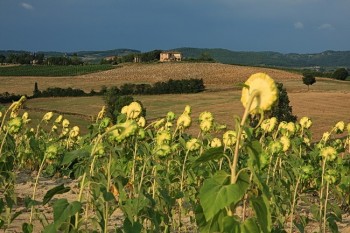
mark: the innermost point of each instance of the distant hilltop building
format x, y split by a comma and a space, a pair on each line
170, 56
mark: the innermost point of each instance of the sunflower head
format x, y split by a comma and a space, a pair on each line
328, 153
229, 138
285, 143
47, 117
184, 121
193, 144
133, 110
305, 122
216, 142
65, 123
339, 127
206, 116
262, 89
205, 125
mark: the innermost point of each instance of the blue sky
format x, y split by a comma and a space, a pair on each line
287, 26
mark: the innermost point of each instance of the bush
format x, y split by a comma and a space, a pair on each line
340, 74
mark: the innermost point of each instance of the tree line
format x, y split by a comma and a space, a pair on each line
169, 87
27, 58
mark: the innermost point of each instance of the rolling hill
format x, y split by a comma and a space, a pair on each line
326, 60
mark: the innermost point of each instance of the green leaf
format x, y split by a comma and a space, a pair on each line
63, 210
134, 227
52, 192
230, 225
213, 225
262, 211
254, 151
210, 154
249, 225
217, 192
50, 228
70, 156
27, 228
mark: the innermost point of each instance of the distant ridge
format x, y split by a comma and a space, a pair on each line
274, 59
327, 59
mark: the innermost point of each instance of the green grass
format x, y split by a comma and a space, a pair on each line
52, 71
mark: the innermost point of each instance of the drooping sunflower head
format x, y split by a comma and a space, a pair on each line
305, 122
263, 89
184, 121
229, 138
339, 127
193, 144
328, 153
133, 110
47, 117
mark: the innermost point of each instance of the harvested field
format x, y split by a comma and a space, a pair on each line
215, 76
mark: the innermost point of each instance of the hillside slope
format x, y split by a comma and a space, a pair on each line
324, 59
215, 76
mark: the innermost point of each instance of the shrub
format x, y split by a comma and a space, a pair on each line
340, 74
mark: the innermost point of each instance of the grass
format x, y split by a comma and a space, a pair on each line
51, 71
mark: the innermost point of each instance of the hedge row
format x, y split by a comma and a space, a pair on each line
169, 87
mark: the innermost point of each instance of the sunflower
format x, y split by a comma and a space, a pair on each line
285, 143
184, 121
206, 116
193, 144
205, 125
266, 89
229, 138
65, 123
134, 110
305, 122
339, 127
275, 147
328, 153
163, 137
47, 116
268, 125
216, 142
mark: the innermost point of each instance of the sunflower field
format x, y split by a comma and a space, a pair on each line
156, 177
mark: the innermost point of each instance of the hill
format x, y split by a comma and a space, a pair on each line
325, 59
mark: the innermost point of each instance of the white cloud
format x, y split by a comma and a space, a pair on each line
27, 6
298, 25
325, 26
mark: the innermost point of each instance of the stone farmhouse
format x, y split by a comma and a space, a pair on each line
170, 56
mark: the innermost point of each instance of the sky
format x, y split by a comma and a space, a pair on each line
286, 26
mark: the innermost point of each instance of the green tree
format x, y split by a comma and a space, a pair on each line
282, 110
340, 74
308, 79
36, 91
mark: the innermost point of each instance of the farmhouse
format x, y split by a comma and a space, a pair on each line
170, 56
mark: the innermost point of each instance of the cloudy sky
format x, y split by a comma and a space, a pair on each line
287, 26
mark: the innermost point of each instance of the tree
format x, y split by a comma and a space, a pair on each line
308, 79
340, 74
36, 91
282, 110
